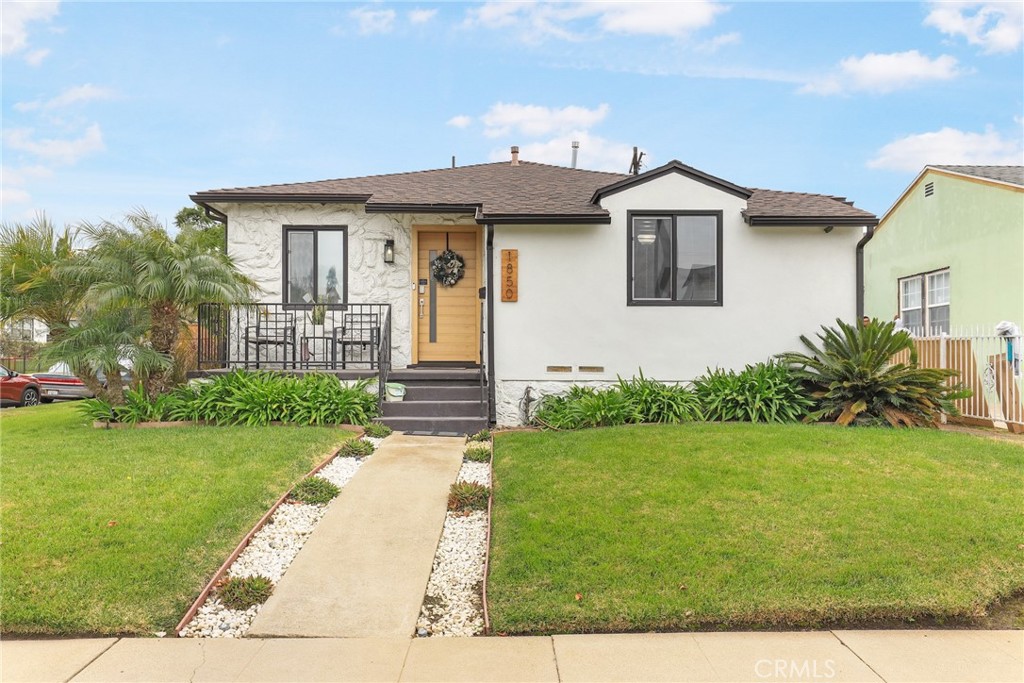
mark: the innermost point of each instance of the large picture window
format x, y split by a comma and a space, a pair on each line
675, 259
924, 302
315, 265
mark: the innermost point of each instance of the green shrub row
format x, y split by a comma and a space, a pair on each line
638, 400
766, 392
860, 373
247, 398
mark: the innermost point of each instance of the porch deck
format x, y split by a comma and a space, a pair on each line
351, 340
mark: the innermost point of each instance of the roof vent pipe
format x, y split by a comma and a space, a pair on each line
515, 155
575, 151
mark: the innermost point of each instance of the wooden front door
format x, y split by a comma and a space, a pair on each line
447, 318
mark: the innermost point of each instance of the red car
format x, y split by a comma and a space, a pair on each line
18, 390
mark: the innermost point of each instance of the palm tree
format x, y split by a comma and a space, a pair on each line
137, 265
109, 343
33, 282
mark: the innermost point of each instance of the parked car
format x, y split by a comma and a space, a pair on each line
60, 382
17, 389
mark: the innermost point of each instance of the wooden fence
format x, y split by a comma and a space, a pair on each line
988, 365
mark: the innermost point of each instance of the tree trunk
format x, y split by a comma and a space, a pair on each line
163, 334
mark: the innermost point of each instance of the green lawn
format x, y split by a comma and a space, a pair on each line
751, 526
117, 531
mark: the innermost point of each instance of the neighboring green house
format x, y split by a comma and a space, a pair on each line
949, 254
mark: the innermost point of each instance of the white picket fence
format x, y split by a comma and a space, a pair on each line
989, 365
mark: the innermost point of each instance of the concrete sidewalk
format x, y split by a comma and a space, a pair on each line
364, 570
821, 656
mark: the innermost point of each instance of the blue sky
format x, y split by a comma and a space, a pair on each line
112, 106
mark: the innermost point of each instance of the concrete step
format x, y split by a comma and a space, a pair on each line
442, 392
442, 426
434, 408
419, 376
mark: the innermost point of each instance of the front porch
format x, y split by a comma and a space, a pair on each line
350, 340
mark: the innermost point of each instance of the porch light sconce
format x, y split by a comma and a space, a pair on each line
389, 251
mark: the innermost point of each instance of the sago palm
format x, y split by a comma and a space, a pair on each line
136, 264
853, 376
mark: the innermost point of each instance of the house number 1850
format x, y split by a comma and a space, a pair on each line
510, 275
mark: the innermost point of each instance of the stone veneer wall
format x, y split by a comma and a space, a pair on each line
509, 394
255, 241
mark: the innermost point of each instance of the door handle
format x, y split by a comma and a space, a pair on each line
422, 302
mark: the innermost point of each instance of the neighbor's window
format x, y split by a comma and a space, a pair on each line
675, 259
924, 302
315, 265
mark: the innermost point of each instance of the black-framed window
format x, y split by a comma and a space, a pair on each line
315, 264
674, 258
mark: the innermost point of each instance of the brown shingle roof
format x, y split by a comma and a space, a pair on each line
771, 206
499, 190
528, 192
1004, 174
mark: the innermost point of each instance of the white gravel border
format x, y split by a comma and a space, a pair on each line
269, 553
453, 604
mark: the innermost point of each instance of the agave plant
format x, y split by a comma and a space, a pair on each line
854, 378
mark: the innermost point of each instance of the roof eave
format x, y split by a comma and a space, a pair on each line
399, 207
291, 198
544, 219
671, 167
810, 220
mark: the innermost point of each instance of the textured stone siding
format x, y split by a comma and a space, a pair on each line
508, 395
255, 241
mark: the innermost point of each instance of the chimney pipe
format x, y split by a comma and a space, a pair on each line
515, 155
575, 151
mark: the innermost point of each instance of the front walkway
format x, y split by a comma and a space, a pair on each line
822, 656
363, 571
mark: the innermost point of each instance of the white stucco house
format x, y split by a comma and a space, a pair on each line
569, 275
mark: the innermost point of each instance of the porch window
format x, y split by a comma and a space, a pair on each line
315, 264
675, 259
924, 302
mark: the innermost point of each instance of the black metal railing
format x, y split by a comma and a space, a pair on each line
485, 407
292, 337
384, 359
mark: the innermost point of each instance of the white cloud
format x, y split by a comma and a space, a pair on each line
36, 57
460, 121
73, 95
948, 146
373, 20
595, 154
14, 180
715, 44
24, 174
55, 150
13, 195
656, 18
534, 120
995, 26
565, 20
421, 16
14, 32
884, 73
